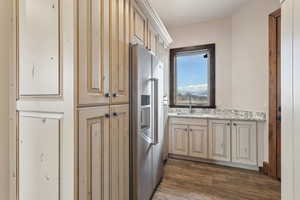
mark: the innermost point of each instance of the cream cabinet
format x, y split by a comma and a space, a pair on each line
138, 26
104, 153
93, 51
39, 48
39, 156
94, 155
119, 152
243, 141
188, 137
119, 58
179, 139
229, 142
198, 141
219, 140
152, 39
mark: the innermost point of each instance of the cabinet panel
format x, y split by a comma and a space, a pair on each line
139, 26
120, 36
39, 156
93, 47
219, 140
179, 139
198, 141
39, 41
94, 154
119, 152
244, 145
152, 39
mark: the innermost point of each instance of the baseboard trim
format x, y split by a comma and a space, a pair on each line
221, 163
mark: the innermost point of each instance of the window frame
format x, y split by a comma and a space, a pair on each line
211, 48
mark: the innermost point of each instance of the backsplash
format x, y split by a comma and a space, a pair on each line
261, 116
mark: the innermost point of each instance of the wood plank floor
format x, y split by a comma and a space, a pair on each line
185, 180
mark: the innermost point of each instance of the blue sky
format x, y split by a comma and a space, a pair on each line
191, 70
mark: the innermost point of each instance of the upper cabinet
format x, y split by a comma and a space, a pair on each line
119, 48
93, 55
152, 39
138, 26
39, 47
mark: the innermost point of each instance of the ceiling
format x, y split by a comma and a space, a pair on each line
183, 12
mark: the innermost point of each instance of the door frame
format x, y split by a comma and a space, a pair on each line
271, 168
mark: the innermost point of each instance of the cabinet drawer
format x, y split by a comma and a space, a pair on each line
189, 121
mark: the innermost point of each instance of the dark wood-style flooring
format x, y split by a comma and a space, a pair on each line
185, 180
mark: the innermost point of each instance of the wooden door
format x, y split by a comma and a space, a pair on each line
152, 39
119, 58
39, 156
119, 152
93, 55
94, 163
275, 95
198, 141
138, 26
243, 141
179, 139
39, 48
219, 140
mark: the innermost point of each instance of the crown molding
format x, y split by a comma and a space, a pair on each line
153, 16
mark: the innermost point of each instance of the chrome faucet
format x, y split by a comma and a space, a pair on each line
190, 104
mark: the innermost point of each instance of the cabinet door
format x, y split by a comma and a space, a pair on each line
138, 26
39, 156
152, 39
120, 36
119, 152
244, 144
94, 154
93, 50
39, 58
179, 139
219, 140
198, 141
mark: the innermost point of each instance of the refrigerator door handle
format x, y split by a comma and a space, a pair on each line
155, 110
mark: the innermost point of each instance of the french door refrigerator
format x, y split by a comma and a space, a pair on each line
146, 123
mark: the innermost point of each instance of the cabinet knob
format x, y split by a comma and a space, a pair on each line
107, 115
228, 124
115, 95
107, 95
115, 114
234, 124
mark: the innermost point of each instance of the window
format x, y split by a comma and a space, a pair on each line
193, 76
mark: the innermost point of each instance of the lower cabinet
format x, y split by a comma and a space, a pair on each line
179, 139
244, 142
215, 140
198, 141
219, 140
104, 153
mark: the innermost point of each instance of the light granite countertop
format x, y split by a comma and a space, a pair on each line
227, 114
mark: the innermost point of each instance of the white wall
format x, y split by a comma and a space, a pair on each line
4, 91
218, 32
250, 59
241, 57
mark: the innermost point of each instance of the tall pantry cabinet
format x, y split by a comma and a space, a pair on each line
69, 115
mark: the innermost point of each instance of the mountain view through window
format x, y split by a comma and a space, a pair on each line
192, 74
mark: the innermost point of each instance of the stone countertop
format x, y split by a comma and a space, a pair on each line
226, 114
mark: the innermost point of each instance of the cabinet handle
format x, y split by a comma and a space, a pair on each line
107, 95
115, 114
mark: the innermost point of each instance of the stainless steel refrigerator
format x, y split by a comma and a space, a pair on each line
146, 123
